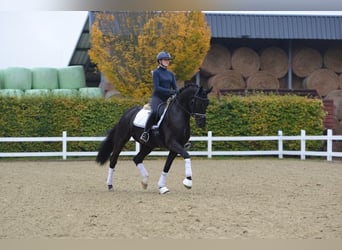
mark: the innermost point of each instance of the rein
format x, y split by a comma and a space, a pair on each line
193, 114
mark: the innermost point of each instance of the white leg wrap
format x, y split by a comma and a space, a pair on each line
162, 180
142, 170
110, 176
188, 171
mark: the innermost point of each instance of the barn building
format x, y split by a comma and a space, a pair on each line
262, 51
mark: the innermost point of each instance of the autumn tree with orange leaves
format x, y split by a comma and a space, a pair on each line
125, 52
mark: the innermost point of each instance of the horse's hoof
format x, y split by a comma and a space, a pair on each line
163, 190
110, 188
187, 183
144, 184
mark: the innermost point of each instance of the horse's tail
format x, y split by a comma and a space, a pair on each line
106, 147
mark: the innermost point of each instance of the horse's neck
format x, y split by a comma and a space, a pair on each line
181, 106
184, 99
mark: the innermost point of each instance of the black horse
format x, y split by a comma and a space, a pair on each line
173, 133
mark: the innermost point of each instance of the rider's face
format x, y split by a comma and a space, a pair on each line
165, 62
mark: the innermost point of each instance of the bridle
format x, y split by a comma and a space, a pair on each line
192, 113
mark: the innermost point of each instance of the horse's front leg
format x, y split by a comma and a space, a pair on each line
162, 179
179, 149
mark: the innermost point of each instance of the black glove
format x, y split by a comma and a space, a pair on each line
173, 92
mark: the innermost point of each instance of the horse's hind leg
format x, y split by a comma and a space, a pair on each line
113, 160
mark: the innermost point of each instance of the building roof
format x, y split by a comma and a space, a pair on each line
258, 26
81, 57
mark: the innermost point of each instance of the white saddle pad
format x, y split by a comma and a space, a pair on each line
141, 118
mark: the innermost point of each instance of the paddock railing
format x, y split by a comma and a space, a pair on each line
280, 152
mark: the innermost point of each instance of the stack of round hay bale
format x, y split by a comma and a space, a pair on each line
317, 71
268, 68
243, 68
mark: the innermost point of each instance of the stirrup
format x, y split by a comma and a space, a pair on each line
144, 137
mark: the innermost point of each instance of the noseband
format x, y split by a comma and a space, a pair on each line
195, 114
192, 113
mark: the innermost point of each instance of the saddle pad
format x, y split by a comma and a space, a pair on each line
141, 118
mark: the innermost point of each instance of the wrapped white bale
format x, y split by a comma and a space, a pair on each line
17, 78
11, 92
1, 79
65, 92
37, 92
44, 78
72, 77
90, 92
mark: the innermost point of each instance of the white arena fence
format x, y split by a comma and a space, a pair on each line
280, 152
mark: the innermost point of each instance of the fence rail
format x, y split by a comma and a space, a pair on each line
280, 152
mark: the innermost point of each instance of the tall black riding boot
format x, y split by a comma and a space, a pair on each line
145, 135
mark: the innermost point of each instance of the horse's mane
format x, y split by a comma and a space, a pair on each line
187, 86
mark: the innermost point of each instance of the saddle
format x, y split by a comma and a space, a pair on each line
142, 116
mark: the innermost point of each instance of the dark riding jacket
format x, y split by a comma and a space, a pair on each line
164, 83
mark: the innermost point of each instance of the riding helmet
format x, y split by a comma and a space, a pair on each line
163, 55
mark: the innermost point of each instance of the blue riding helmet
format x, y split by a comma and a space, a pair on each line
163, 55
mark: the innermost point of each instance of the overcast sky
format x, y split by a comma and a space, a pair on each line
48, 38
39, 38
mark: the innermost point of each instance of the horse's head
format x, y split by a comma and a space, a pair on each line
194, 101
198, 106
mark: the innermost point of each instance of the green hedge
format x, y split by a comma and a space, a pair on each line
230, 116
258, 115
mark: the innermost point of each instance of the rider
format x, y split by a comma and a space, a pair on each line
164, 86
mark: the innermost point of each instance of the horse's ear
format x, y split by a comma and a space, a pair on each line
209, 90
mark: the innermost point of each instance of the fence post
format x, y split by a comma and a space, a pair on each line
280, 144
210, 145
329, 145
302, 144
137, 147
64, 145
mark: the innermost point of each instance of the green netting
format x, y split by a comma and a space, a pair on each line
17, 78
11, 92
65, 92
37, 92
71, 77
44, 78
90, 92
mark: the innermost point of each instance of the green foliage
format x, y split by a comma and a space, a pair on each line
258, 115
49, 116
126, 53
254, 115
186, 35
